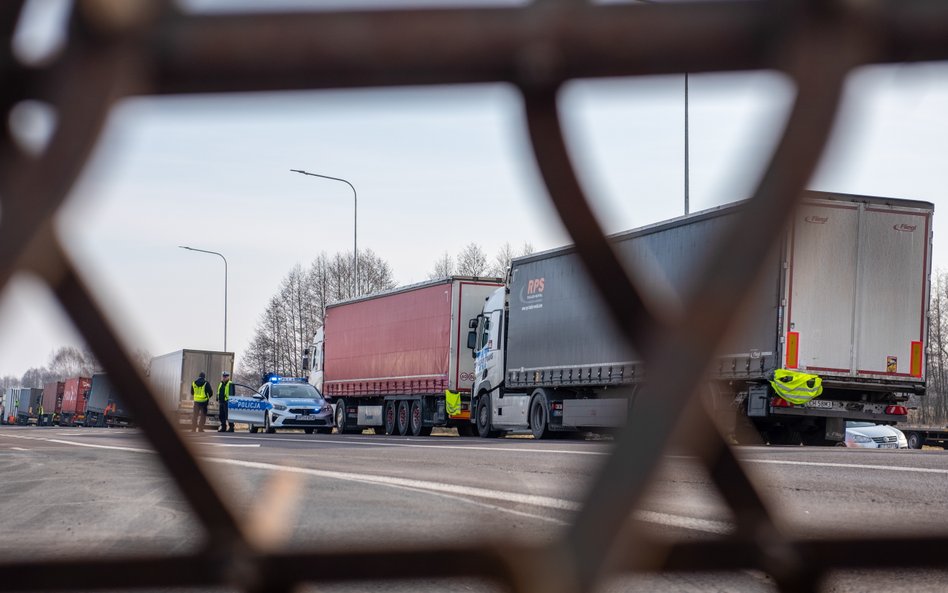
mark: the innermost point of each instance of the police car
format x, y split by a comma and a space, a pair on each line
282, 402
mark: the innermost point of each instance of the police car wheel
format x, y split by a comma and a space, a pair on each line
266, 420
253, 429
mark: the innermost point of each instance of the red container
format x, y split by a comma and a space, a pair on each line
407, 341
53, 397
75, 395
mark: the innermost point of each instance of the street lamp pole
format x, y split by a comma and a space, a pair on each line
225, 284
355, 224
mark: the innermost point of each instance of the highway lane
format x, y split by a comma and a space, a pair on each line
89, 490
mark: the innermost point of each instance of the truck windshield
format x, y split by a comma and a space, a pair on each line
295, 390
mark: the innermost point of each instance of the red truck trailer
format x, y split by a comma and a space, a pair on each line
396, 362
75, 395
52, 403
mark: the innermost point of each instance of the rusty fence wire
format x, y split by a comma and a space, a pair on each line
118, 48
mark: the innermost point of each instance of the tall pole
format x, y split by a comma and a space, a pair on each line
225, 284
686, 143
355, 225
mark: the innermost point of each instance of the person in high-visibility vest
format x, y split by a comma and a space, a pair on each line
201, 392
224, 391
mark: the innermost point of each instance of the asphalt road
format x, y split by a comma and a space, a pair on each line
83, 491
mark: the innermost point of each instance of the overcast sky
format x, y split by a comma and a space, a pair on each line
435, 168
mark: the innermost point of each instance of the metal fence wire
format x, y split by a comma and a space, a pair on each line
117, 48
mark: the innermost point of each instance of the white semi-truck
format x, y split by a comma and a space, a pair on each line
844, 296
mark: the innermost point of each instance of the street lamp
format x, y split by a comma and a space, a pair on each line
225, 284
355, 225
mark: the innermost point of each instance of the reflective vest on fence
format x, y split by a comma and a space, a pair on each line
452, 402
797, 388
200, 393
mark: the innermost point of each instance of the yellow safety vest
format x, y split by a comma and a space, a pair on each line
200, 393
226, 388
797, 388
452, 402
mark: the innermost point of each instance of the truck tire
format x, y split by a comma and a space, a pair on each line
539, 417
483, 419
915, 440
390, 413
403, 418
416, 422
339, 415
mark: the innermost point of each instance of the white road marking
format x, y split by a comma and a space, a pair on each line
376, 443
892, 468
230, 445
437, 487
19, 449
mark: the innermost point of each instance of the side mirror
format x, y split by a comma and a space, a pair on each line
257, 396
471, 340
472, 323
306, 359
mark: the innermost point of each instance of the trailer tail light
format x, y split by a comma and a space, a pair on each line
557, 405
896, 410
779, 402
915, 368
793, 349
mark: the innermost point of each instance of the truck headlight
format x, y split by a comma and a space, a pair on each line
279, 407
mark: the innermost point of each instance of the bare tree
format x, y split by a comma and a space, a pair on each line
443, 268
472, 261
293, 315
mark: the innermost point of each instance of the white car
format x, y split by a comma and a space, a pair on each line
867, 435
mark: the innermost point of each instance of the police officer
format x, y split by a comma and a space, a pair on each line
224, 391
201, 392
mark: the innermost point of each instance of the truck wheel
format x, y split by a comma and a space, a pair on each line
483, 419
539, 422
390, 425
403, 418
915, 440
340, 414
416, 423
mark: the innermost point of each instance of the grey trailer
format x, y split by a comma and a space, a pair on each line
843, 295
28, 401
9, 407
171, 375
105, 407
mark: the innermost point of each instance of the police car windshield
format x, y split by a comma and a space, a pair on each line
294, 390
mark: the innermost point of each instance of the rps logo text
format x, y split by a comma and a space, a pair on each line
535, 285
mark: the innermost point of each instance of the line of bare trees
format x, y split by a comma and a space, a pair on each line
296, 311
933, 406
472, 261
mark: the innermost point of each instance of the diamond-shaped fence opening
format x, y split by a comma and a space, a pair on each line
117, 49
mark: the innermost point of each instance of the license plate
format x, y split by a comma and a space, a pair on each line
819, 404
889, 446
306, 417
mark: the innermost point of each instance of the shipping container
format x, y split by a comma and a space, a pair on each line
75, 396
105, 406
843, 295
171, 375
52, 403
389, 361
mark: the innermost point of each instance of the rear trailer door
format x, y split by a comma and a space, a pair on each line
467, 302
857, 290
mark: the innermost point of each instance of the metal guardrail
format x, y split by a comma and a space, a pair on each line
117, 49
